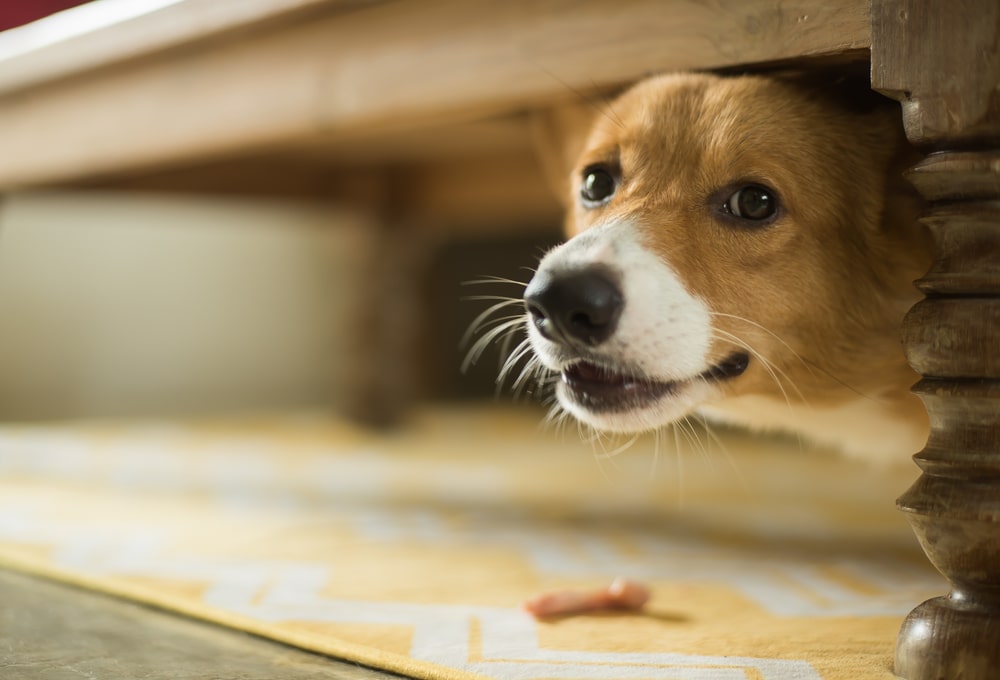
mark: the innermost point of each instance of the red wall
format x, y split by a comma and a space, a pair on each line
16, 12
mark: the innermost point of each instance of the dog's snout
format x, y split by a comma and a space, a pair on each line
576, 307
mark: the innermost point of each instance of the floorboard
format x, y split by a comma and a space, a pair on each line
50, 631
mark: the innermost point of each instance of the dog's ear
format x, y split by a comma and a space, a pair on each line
559, 135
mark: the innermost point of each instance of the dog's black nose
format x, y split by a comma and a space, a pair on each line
575, 307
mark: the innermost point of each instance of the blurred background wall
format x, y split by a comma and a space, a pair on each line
119, 304
125, 304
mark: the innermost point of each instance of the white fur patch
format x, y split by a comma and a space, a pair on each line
664, 332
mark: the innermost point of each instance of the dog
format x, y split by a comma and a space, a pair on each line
741, 247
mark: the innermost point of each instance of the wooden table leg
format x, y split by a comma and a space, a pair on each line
941, 60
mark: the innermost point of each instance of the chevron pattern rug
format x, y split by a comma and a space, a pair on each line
412, 551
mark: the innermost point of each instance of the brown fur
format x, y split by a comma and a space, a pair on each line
830, 280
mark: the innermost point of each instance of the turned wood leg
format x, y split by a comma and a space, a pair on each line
942, 61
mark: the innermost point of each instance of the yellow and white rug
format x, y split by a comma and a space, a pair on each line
412, 551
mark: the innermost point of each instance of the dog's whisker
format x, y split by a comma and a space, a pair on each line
707, 429
506, 298
530, 370
505, 349
500, 325
504, 329
583, 97
773, 372
763, 328
695, 438
589, 435
535, 384
527, 371
597, 441
768, 366
678, 463
543, 386
558, 419
656, 453
484, 318
505, 353
612, 114
476, 351
489, 280
481, 319
607, 455
808, 363
484, 322
512, 357
721, 446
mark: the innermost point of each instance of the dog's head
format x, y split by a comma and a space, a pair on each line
732, 241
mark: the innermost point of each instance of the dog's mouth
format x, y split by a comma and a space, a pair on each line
601, 389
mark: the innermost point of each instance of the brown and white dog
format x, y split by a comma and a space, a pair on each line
742, 247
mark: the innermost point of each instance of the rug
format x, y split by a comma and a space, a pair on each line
412, 550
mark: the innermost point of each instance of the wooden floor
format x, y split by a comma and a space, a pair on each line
51, 631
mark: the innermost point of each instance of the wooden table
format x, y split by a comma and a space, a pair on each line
419, 111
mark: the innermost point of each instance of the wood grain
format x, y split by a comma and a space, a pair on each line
956, 337
941, 62
958, 175
968, 248
380, 68
49, 630
30, 57
944, 68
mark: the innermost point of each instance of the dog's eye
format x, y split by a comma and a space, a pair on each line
598, 184
752, 202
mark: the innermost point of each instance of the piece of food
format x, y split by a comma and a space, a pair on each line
621, 594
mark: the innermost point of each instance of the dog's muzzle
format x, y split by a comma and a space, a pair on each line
575, 308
